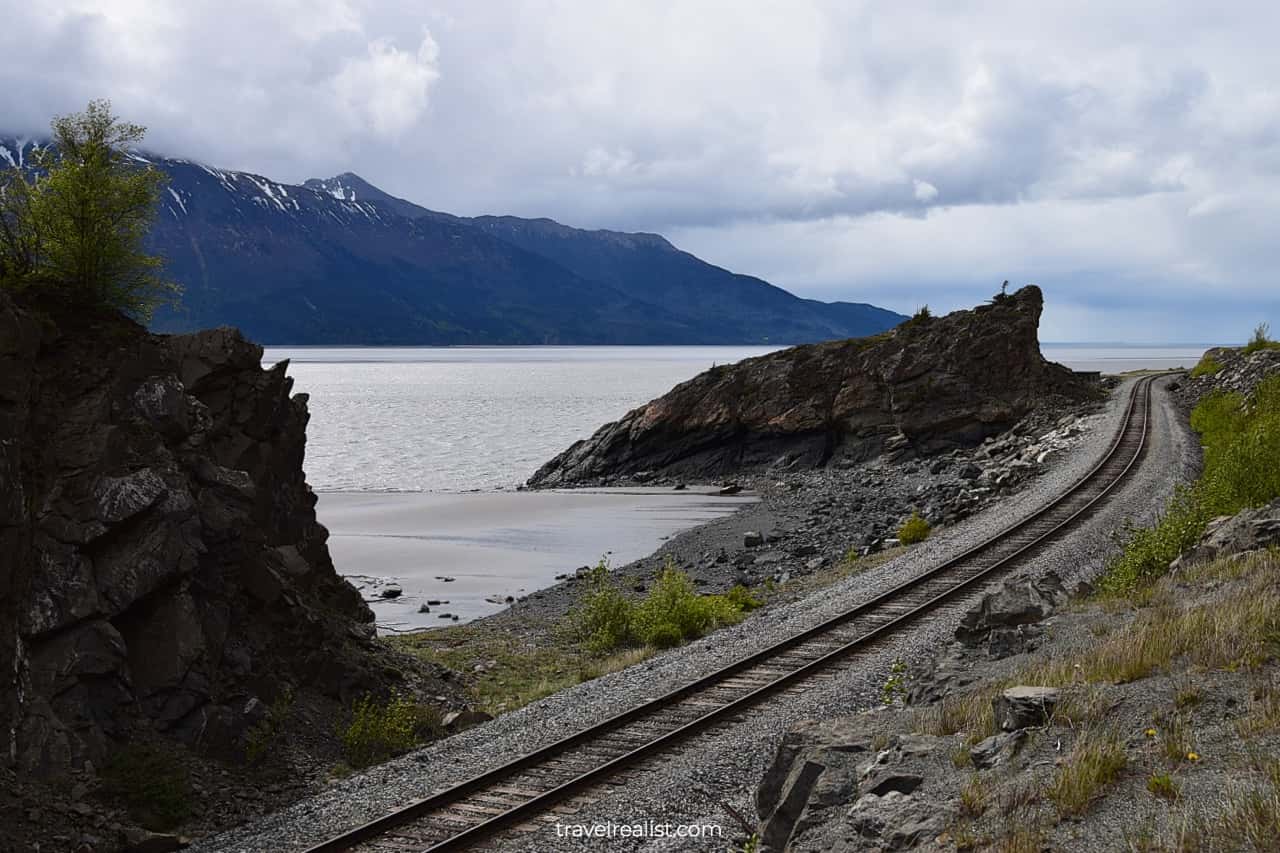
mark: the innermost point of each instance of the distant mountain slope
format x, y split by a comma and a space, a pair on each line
339, 261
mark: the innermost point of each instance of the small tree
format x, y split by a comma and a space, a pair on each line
19, 240
76, 220
1261, 339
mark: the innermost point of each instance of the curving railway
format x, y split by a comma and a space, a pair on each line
537, 786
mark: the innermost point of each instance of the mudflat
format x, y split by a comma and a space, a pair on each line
470, 551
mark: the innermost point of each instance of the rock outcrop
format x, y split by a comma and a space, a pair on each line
928, 385
161, 566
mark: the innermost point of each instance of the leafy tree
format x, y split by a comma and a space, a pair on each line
75, 220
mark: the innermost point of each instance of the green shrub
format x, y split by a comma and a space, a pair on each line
1241, 448
602, 619
1261, 339
673, 611
741, 599
153, 784
1148, 551
379, 731
1241, 439
1207, 366
923, 315
914, 529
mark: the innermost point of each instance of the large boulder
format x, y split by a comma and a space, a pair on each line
928, 385
999, 618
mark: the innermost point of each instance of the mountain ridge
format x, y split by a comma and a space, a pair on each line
338, 260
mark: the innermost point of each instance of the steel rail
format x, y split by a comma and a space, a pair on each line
1133, 432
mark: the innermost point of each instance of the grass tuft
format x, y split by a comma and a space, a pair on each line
1095, 762
1163, 786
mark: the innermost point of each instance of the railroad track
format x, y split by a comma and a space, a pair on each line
531, 791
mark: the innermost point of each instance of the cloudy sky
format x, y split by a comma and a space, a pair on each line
896, 153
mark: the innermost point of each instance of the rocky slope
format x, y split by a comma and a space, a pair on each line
929, 385
1054, 727
162, 573
1056, 721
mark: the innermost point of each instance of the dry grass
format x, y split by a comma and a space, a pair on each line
961, 757
1021, 840
968, 713
1239, 628
974, 797
1264, 712
1095, 762
1247, 818
513, 675
1175, 739
1081, 707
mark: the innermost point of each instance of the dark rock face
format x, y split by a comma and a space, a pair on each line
1020, 601
926, 386
160, 561
821, 768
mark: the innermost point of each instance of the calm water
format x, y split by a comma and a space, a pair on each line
454, 419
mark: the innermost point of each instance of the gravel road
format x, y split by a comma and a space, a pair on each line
694, 784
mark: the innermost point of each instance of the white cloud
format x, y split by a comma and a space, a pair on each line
924, 191
387, 90
1104, 149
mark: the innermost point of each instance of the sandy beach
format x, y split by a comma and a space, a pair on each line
470, 551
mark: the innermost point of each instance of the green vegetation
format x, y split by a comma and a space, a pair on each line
923, 315
602, 619
1095, 761
895, 686
1163, 786
974, 797
1241, 438
606, 631
152, 783
671, 613
914, 529
72, 224
1261, 339
1207, 366
379, 731
261, 737
507, 673
1003, 296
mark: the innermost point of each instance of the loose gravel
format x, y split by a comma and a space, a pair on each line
694, 784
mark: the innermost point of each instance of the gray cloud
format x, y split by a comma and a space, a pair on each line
1128, 159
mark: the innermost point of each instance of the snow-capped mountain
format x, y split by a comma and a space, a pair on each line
338, 260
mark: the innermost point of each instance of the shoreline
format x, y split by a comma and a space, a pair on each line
472, 554
811, 521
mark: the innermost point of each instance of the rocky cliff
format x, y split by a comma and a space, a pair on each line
928, 385
161, 567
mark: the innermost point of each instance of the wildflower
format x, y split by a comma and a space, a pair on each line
1151, 732
1193, 756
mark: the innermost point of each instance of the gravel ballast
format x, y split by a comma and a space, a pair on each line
694, 784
